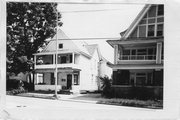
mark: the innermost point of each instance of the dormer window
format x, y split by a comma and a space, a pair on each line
60, 46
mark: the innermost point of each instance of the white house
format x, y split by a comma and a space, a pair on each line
78, 65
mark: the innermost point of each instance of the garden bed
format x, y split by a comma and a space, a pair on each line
152, 104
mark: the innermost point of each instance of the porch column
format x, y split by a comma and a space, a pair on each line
115, 54
72, 78
120, 51
35, 78
35, 61
54, 58
158, 53
73, 60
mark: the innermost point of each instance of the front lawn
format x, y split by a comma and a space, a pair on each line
152, 104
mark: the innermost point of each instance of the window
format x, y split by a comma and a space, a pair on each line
151, 29
126, 52
140, 78
148, 26
160, 30
64, 58
60, 46
141, 51
151, 20
142, 31
143, 21
152, 12
40, 79
160, 10
76, 81
44, 59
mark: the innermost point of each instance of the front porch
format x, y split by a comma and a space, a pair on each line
140, 83
67, 79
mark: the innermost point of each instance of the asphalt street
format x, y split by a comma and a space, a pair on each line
26, 108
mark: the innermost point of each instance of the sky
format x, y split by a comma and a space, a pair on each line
98, 21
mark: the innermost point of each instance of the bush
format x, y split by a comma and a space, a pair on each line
14, 87
106, 87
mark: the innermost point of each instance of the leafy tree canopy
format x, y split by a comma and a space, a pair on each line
28, 26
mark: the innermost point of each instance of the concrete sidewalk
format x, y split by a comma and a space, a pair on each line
62, 97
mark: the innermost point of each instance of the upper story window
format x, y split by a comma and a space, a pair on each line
160, 30
160, 10
151, 29
60, 46
152, 23
44, 59
64, 58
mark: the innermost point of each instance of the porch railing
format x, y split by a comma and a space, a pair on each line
137, 57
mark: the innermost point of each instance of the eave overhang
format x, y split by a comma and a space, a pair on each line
135, 41
65, 69
135, 66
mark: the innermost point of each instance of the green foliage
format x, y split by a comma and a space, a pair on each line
106, 86
28, 26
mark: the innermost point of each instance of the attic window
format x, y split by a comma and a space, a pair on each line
60, 46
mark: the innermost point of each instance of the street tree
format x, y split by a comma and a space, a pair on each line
28, 26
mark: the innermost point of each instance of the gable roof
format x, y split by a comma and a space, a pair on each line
136, 21
91, 48
74, 45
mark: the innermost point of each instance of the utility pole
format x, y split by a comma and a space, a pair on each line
56, 57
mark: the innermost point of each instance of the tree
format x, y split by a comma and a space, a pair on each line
28, 26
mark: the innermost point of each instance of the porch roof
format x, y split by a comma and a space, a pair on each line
135, 41
62, 70
136, 66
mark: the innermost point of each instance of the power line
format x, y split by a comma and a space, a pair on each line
112, 38
89, 10
101, 3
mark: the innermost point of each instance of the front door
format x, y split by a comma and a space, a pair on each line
69, 81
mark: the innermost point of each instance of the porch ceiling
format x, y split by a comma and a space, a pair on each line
136, 66
67, 69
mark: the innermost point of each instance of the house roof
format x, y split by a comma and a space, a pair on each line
125, 34
91, 48
75, 46
136, 21
79, 47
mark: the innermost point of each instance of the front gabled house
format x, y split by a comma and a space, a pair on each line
139, 54
78, 65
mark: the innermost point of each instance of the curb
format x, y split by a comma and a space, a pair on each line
59, 98
81, 101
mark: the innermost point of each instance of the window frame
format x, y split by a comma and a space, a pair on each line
60, 44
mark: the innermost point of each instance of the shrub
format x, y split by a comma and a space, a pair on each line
15, 87
106, 87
